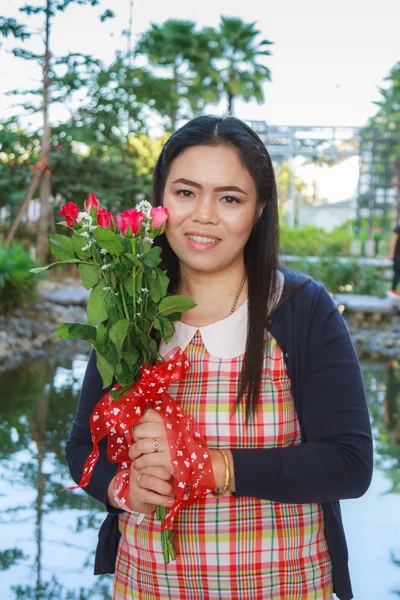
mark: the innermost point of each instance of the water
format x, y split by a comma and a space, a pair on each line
48, 537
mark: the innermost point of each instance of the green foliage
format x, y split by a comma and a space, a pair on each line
315, 241
340, 277
17, 285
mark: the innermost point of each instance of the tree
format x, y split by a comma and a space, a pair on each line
183, 56
53, 83
237, 55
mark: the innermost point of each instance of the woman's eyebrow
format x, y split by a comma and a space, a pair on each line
217, 189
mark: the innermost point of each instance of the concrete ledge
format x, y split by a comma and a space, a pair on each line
359, 302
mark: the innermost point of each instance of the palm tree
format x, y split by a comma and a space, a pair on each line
240, 74
182, 54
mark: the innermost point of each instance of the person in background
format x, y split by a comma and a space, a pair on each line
394, 255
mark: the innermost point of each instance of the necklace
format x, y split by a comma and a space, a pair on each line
239, 292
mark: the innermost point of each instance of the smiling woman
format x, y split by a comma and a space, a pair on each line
274, 386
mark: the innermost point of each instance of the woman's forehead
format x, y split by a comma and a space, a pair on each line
219, 165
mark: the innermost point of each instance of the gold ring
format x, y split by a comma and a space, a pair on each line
138, 478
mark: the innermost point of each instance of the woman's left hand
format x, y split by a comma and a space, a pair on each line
149, 429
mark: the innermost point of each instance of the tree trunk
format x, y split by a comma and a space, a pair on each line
28, 197
42, 243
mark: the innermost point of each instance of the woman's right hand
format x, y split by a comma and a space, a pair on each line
155, 488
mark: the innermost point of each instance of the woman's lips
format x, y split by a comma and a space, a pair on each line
201, 245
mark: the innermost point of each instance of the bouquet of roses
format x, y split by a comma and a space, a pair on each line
129, 310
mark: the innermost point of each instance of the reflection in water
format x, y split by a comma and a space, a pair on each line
48, 537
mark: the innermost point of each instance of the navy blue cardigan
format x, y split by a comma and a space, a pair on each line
334, 460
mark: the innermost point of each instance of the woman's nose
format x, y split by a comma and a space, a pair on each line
204, 210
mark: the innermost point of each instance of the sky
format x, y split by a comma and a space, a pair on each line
328, 59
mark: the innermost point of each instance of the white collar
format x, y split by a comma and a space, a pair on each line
223, 339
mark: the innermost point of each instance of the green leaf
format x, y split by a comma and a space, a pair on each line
71, 331
54, 265
108, 240
105, 369
123, 374
139, 282
131, 357
152, 258
89, 275
61, 246
78, 242
172, 304
101, 333
133, 259
97, 305
165, 327
158, 286
128, 285
118, 332
108, 350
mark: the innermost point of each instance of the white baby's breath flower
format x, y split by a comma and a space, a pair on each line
103, 251
138, 300
92, 227
104, 267
138, 314
84, 234
139, 255
148, 239
145, 290
145, 207
107, 288
84, 219
116, 293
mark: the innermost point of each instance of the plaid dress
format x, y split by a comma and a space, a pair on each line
228, 548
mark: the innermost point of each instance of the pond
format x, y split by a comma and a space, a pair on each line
48, 537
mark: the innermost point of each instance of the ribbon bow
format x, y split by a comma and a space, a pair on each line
193, 473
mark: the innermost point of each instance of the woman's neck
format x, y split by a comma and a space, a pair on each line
214, 293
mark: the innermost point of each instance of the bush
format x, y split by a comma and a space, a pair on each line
341, 277
17, 285
315, 241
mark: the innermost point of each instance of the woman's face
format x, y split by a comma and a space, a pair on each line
211, 201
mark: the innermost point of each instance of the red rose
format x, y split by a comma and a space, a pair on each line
91, 201
105, 219
70, 211
159, 216
130, 218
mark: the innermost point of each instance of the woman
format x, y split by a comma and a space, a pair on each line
274, 385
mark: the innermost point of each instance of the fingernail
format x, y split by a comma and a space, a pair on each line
171, 502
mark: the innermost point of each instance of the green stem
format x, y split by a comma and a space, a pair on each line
134, 293
121, 291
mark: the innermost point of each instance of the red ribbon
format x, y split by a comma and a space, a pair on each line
190, 456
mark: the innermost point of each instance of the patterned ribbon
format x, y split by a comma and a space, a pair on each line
193, 472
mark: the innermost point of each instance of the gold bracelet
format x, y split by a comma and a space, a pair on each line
227, 477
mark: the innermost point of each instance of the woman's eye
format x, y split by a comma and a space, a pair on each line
184, 192
231, 199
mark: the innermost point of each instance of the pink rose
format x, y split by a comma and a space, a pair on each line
105, 219
130, 218
92, 201
70, 211
159, 216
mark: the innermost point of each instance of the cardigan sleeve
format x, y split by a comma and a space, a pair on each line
79, 444
334, 460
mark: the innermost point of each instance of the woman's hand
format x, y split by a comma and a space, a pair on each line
153, 489
149, 430
151, 476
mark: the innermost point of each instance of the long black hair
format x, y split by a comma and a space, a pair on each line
262, 247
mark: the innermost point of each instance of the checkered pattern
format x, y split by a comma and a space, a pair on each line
227, 548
